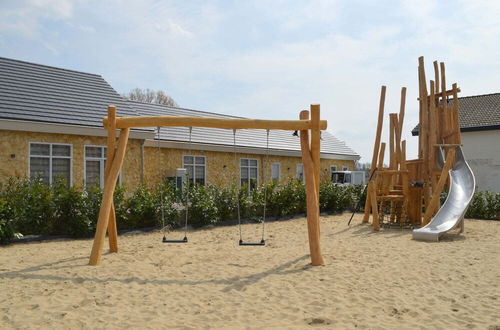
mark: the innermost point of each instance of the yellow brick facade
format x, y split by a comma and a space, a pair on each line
221, 168
14, 149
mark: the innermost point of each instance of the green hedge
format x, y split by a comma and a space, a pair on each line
30, 207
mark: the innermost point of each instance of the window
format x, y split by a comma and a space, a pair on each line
249, 169
300, 172
95, 163
195, 167
49, 161
345, 168
333, 168
275, 171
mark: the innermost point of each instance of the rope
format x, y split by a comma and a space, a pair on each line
187, 190
237, 190
265, 188
161, 186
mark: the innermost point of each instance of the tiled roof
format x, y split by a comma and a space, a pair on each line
278, 139
42, 93
476, 113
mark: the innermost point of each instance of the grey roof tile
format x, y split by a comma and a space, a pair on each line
278, 139
42, 93
478, 112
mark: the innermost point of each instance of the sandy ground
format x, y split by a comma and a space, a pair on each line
370, 281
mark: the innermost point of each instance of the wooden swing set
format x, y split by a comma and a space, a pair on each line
310, 149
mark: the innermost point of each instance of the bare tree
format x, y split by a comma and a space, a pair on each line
150, 96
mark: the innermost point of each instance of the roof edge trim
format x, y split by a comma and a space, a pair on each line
40, 127
240, 149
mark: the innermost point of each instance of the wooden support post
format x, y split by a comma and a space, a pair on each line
381, 180
313, 225
316, 144
110, 153
404, 177
376, 148
402, 111
107, 198
436, 78
434, 202
456, 116
433, 137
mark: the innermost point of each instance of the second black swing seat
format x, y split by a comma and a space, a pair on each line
261, 243
166, 240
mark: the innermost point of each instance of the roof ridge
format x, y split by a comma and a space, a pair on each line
180, 108
48, 66
471, 96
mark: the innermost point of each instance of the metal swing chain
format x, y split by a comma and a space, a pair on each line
188, 186
161, 186
237, 190
265, 188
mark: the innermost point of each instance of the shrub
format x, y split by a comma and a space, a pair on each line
6, 219
291, 198
142, 209
202, 209
70, 216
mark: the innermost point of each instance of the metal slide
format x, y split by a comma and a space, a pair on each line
451, 214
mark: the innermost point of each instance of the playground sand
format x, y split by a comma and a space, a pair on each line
370, 280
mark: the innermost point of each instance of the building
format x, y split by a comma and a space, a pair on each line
479, 118
51, 126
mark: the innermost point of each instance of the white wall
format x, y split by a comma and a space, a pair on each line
482, 151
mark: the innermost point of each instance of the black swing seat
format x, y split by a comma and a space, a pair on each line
166, 240
261, 243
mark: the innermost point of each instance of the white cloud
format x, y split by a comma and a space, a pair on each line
243, 58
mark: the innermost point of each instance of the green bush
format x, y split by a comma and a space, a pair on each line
290, 198
203, 208
142, 209
31, 207
70, 216
6, 219
484, 205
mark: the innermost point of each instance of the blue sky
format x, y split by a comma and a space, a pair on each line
266, 59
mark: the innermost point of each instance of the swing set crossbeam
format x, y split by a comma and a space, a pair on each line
224, 123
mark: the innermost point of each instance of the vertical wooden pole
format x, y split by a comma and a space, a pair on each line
402, 111
434, 203
376, 148
110, 154
456, 115
391, 180
377, 185
433, 134
316, 144
436, 78
444, 103
313, 225
107, 198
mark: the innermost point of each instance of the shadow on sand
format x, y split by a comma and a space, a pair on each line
233, 283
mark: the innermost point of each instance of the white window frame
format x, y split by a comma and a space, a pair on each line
50, 157
345, 168
300, 165
279, 171
248, 166
333, 168
102, 164
195, 165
